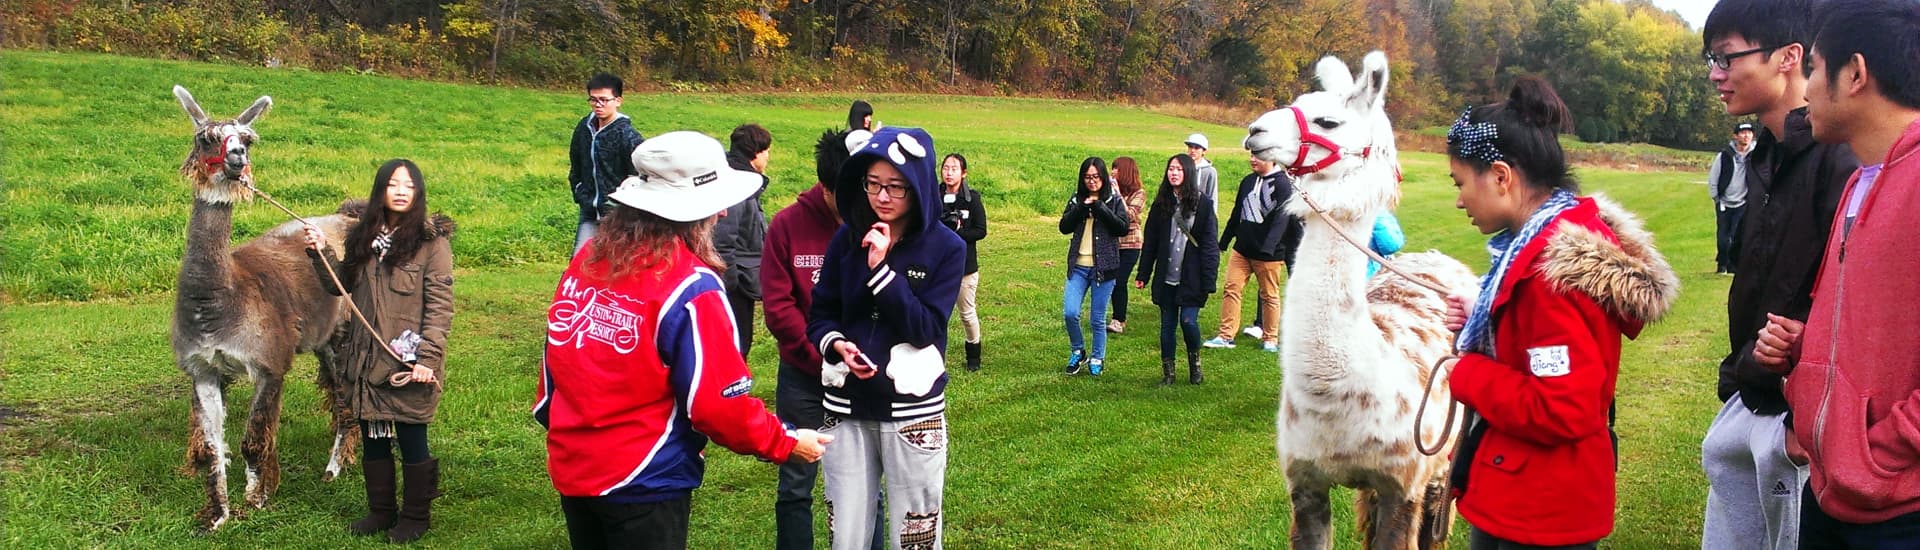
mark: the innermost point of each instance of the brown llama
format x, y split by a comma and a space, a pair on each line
246, 311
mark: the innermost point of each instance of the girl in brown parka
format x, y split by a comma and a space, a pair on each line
399, 272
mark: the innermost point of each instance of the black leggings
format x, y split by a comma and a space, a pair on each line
411, 437
1118, 304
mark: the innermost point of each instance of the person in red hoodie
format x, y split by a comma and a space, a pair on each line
1539, 348
1853, 367
641, 365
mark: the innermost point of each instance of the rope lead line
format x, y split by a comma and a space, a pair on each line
399, 378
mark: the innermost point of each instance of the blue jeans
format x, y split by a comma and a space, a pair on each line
1079, 281
1189, 323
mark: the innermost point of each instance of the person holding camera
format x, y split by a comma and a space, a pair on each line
961, 210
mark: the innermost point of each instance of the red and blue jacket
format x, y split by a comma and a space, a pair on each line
638, 373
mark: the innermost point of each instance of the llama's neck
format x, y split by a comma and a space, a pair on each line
1327, 318
206, 266
1332, 275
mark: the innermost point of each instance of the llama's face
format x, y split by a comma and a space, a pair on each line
1350, 120
219, 164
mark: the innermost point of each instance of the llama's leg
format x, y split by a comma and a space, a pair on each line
260, 447
199, 453
1394, 518
1365, 502
1436, 513
342, 421
1312, 518
209, 452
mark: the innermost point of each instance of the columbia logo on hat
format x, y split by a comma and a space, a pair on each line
676, 169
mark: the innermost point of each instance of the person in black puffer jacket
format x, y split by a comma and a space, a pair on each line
1097, 218
1181, 259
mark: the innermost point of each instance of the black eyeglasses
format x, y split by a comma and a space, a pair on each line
600, 100
1724, 61
895, 191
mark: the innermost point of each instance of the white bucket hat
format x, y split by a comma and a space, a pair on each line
1198, 139
684, 177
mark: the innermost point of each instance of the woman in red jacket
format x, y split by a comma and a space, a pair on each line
641, 366
1540, 346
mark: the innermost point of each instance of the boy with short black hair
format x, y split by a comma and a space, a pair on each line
1755, 53
1854, 366
601, 153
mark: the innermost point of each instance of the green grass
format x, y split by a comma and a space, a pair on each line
94, 412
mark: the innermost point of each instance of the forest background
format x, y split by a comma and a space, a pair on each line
1630, 71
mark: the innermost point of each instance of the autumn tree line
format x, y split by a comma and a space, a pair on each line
1630, 71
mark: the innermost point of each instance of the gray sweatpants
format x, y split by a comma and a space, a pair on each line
910, 456
1753, 493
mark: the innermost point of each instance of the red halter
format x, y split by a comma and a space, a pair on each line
1308, 139
218, 158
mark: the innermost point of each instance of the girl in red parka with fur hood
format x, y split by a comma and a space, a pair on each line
1540, 345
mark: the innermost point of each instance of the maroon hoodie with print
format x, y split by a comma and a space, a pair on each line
796, 248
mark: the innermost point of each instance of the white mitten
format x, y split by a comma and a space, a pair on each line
833, 375
915, 369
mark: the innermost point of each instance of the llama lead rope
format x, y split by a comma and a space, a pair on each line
1375, 256
397, 379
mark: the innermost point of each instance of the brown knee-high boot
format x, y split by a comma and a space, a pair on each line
380, 505
416, 506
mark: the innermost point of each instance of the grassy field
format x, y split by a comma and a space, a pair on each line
93, 412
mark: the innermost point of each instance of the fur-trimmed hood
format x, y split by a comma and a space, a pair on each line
1623, 272
439, 225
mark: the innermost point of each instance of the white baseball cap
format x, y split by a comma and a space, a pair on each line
684, 177
1198, 139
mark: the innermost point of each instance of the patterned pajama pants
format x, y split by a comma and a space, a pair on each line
909, 456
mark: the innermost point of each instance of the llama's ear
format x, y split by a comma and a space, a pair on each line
1370, 92
193, 107
254, 111
1333, 75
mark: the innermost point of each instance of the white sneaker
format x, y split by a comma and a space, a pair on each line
1253, 331
1217, 342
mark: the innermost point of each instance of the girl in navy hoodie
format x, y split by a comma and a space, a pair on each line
879, 319
1181, 259
1097, 218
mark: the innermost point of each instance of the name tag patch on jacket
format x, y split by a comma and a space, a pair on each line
737, 388
1548, 362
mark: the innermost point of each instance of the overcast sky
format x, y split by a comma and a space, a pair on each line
1695, 11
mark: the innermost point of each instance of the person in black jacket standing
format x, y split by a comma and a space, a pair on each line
1096, 218
741, 233
1263, 237
1181, 259
1727, 181
961, 210
1756, 51
601, 153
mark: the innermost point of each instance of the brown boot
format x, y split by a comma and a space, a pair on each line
416, 506
380, 506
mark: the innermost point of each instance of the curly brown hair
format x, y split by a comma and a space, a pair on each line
631, 240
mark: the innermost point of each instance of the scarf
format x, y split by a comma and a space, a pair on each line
382, 242
1477, 336
1177, 243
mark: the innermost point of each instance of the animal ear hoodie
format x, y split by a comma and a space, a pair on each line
897, 311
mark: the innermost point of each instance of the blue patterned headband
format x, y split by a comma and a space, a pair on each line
1474, 140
